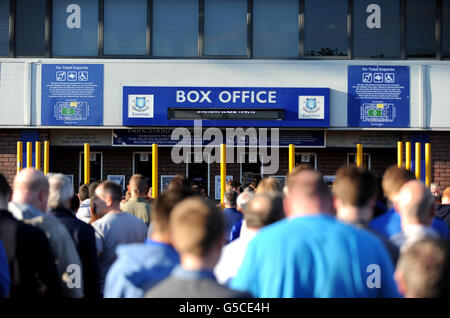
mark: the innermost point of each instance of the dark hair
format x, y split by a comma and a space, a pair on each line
179, 182
5, 189
140, 182
113, 190
230, 198
83, 192
74, 203
354, 186
92, 187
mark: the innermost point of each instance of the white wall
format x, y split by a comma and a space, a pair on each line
429, 80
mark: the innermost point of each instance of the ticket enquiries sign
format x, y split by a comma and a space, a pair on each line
225, 106
378, 96
72, 95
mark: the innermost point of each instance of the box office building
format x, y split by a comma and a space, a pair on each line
323, 75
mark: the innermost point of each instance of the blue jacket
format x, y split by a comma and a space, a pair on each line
232, 216
389, 224
139, 267
5, 279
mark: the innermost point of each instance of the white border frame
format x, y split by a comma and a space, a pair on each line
165, 176
122, 177
369, 161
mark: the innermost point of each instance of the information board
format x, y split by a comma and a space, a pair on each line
163, 137
378, 96
226, 106
72, 95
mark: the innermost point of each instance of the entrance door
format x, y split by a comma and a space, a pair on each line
96, 165
251, 167
198, 172
142, 164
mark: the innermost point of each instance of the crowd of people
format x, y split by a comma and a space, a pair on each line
301, 239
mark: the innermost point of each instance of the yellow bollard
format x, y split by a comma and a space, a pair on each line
399, 154
154, 171
87, 164
37, 159
418, 159
291, 157
19, 156
427, 164
359, 155
408, 155
46, 156
29, 154
223, 171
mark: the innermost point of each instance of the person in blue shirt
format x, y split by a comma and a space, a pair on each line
140, 266
5, 279
389, 223
311, 254
231, 213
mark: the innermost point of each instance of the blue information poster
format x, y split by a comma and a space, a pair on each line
72, 94
226, 106
163, 137
378, 96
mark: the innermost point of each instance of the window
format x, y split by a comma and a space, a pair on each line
30, 27
125, 27
446, 28
75, 28
367, 162
303, 158
376, 28
420, 28
275, 28
96, 165
326, 27
175, 28
225, 27
4, 27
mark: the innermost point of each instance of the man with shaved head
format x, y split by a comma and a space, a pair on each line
29, 203
388, 224
415, 204
310, 253
138, 204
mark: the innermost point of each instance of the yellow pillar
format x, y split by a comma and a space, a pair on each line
19, 156
359, 155
155, 171
418, 159
291, 157
46, 156
408, 155
223, 171
427, 164
399, 154
87, 163
29, 154
37, 159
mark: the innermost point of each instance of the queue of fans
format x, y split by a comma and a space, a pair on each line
306, 239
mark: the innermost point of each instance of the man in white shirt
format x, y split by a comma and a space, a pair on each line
415, 204
113, 226
262, 209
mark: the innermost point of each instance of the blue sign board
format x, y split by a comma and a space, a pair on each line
378, 96
225, 106
163, 137
72, 94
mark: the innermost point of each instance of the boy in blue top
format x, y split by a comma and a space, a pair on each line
389, 224
311, 254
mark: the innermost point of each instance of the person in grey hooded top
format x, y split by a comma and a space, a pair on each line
29, 204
